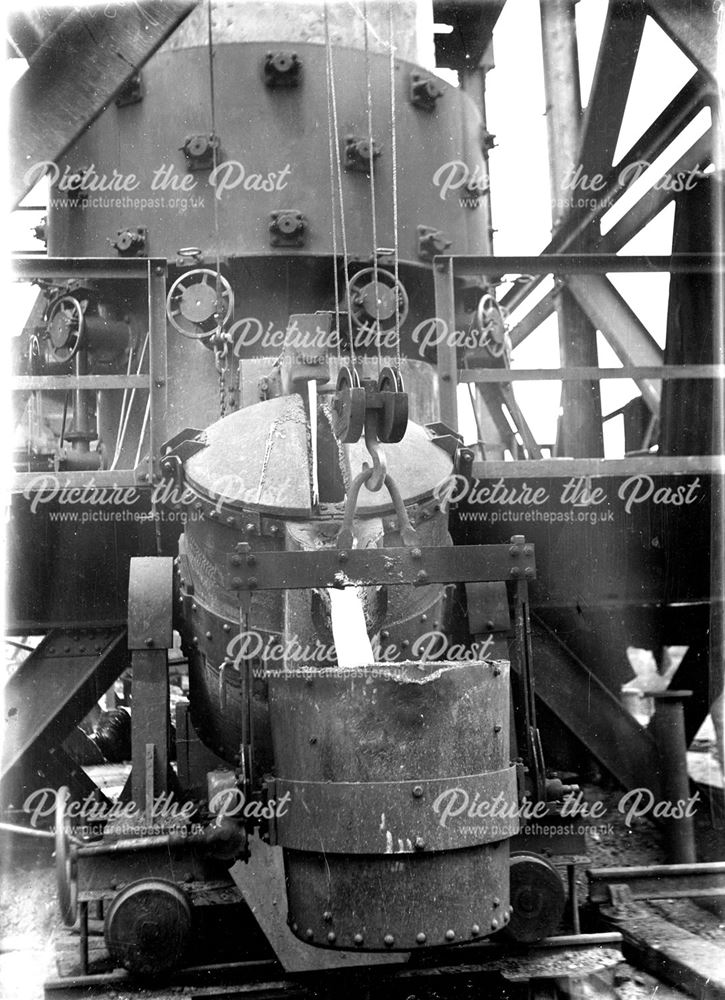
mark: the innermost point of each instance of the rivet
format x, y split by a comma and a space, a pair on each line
385, 634
251, 560
295, 928
51, 649
231, 521
236, 561
193, 607
327, 916
497, 728
226, 627
506, 918
342, 557
436, 624
332, 937
250, 529
208, 635
475, 930
417, 791
252, 583
195, 640
529, 573
420, 938
416, 553
497, 671
149, 642
450, 935
405, 643
514, 550
213, 515
528, 550
496, 901
494, 924
515, 572
389, 940
489, 626
424, 618
274, 529
358, 939
419, 844
308, 934
422, 576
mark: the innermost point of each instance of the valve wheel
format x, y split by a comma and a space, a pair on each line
348, 407
66, 861
65, 329
393, 418
195, 307
382, 301
490, 322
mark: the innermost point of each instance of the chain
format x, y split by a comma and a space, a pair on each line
221, 363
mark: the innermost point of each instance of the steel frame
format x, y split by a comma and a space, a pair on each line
153, 271
566, 267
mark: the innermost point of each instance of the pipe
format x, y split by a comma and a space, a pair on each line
668, 729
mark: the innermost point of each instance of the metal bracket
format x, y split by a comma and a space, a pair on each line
177, 450
150, 602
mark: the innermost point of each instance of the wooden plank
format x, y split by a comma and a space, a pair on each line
693, 964
76, 73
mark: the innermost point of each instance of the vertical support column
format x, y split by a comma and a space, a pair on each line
580, 427
157, 361
150, 635
445, 350
668, 729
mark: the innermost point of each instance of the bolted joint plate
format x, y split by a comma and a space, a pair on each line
150, 602
397, 817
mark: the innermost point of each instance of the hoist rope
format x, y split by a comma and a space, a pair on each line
333, 211
369, 101
338, 165
394, 157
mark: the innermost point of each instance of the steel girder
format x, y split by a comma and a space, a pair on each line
76, 72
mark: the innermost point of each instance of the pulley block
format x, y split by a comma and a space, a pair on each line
348, 407
393, 413
199, 303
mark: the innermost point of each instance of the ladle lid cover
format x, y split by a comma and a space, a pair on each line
259, 458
